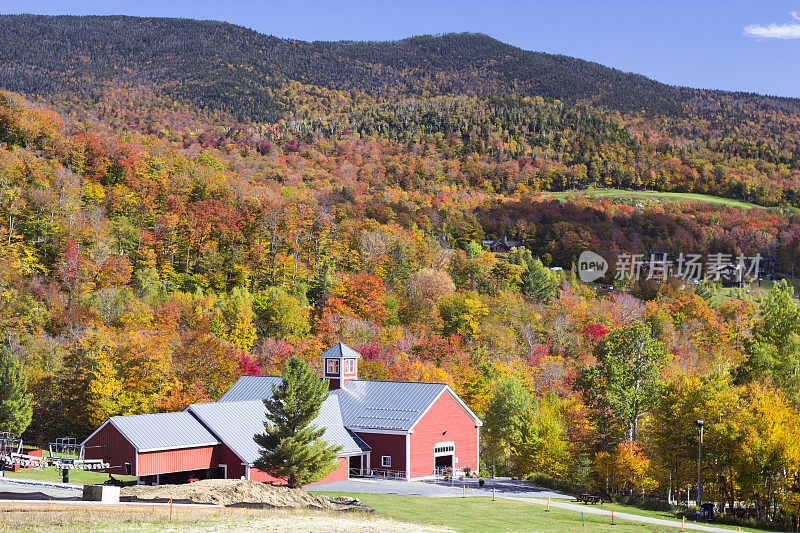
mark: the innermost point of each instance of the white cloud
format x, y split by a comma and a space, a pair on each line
788, 30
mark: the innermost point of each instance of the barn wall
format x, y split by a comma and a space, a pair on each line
177, 460
444, 415
340, 474
263, 477
109, 445
235, 467
383, 444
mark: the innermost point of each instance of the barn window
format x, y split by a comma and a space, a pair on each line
386, 460
349, 366
444, 448
333, 366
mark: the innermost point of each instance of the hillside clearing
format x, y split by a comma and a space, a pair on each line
652, 196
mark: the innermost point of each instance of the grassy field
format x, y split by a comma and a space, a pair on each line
482, 514
652, 196
754, 293
79, 477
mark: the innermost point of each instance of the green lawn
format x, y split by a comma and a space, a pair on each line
79, 477
651, 196
482, 514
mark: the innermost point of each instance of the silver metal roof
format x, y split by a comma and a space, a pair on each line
251, 388
236, 423
340, 350
388, 405
163, 431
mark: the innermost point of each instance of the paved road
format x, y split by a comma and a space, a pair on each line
588, 509
16, 490
503, 487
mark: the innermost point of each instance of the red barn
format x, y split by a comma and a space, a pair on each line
397, 429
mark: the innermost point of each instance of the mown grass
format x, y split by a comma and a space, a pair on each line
483, 514
80, 477
653, 196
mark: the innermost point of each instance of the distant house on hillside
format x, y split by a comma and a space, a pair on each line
502, 245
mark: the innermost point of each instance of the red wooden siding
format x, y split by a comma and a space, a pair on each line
236, 469
177, 460
445, 415
392, 445
340, 474
263, 477
109, 445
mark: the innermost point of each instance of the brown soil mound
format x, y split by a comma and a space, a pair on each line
230, 492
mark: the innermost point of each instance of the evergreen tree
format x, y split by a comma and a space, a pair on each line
16, 409
292, 447
538, 283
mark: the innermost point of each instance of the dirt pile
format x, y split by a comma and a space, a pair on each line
230, 492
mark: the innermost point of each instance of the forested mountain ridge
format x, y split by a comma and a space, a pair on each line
154, 247
250, 75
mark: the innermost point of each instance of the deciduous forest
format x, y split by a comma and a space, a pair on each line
183, 203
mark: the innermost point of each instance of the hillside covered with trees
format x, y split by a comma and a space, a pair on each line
155, 244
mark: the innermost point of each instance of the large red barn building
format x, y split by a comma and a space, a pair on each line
403, 430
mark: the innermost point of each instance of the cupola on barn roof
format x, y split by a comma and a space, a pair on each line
340, 351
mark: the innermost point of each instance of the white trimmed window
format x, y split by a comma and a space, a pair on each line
349, 366
332, 366
386, 460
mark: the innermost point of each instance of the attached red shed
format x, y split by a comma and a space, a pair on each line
156, 445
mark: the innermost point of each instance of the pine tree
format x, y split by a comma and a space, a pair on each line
16, 409
292, 447
538, 283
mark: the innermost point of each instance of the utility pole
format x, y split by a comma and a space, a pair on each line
699, 424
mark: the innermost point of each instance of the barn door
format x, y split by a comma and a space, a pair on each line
444, 458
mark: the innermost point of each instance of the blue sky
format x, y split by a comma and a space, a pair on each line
734, 45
